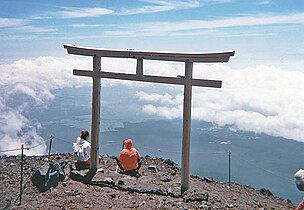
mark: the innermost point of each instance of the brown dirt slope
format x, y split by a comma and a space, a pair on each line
157, 188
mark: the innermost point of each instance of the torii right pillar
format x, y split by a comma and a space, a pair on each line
186, 127
185, 182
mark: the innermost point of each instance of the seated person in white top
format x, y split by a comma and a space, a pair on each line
82, 151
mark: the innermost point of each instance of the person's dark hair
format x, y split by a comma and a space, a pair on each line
84, 134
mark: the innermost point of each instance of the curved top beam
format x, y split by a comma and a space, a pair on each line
165, 56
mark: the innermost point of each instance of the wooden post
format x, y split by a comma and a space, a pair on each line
186, 127
95, 126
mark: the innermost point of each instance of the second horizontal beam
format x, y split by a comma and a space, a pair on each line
149, 78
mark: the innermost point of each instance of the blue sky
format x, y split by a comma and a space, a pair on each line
263, 83
261, 32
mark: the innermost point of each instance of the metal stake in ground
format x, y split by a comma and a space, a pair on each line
50, 146
229, 156
21, 174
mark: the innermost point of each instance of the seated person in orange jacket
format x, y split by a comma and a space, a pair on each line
129, 160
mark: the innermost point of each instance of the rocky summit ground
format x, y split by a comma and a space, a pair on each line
157, 188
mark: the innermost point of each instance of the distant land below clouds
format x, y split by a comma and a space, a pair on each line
260, 99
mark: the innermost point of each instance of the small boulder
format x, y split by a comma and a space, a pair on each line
166, 179
152, 168
264, 191
190, 197
208, 180
120, 182
170, 163
109, 180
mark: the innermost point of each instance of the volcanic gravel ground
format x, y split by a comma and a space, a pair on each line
158, 187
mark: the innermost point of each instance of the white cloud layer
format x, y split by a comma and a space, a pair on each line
72, 12
33, 29
259, 99
161, 6
187, 26
16, 130
34, 79
11, 22
263, 99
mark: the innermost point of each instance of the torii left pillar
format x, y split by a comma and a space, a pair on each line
95, 124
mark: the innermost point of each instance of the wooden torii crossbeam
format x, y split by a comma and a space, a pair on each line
187, 81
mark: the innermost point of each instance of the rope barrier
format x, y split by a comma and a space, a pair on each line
10, 150
178, 152
45, 140
161, 150
209, 153
61, 139
27, 148
69, 142
266, 170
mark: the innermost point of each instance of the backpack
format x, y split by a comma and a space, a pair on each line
78, 152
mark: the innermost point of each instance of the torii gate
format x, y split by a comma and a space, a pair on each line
187, 81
